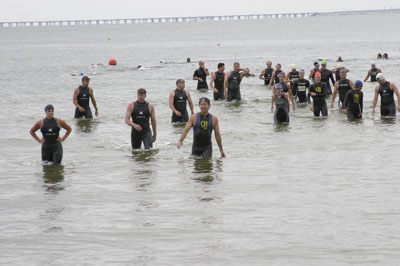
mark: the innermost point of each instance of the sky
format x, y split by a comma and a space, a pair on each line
39, 10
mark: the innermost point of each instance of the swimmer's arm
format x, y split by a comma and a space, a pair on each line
65, 126
226, 82
347, 70
366, 77
244, 72
272, 78
311, 74
287, 77
261, 76
396, 91
171, 102
375, 99
93, 101
206, 71
212, 80
153, 121
272, 102
75, 98
218, 136
379, 70
287, 101
346, 99
291, 96
35, 128
332, 78
352, 84
188, 126
334, 93
195, 75
129, 111
190, 102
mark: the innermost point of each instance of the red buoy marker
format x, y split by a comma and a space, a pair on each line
112, 62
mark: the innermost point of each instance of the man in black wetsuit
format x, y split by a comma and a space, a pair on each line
232, 82
337, 70
343, 85
203, 124
52, 150
373, 72
178, 100
327, 75
275, 75
266, 74
318, 92
217, 82
300, 87
313, 71
201, 76
386, 90
353, 102
141, 112
292, 75
81, 100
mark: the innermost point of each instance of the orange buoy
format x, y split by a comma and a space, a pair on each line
112, 62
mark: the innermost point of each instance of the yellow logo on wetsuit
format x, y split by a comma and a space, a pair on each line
204, 125
318, 89
356, 98
373, 73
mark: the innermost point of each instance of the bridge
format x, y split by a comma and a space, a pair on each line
191, 19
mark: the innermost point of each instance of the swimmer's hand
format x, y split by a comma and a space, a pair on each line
154, 138
137, 127
180, 143
178, 113
313, 94
81, 109
97, 113
223, 154
373, 112
332, 105
272, 108
311, 107
345, 111
215, 90
200, 79
42, 140
60, 139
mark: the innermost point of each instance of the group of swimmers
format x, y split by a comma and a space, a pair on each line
290, 88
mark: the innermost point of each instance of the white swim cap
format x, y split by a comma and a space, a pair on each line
380, 76
339, 65
293, 66
372, 63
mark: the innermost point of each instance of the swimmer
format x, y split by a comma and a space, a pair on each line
340, 59
300, 87
318, 92
141, 112
266, 74
386, 90
327, 75
232, 82
373, 72
81, 100
385, 56
343, 85
337, 70
353, 102
217, 82
275, 75
379, 56
203, 124
292, 75
177, 102
52, 150
201, 76
280, 99
286, 88
313, 71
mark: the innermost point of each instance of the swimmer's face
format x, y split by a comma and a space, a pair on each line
204, 106
85, 82
236, 67
269, 64
201, 64
278, 92
317, 66
373, 66
278, 67
281, 78
381, 81
141, 97
181, 85
50, 113
301, 75
358, 88
323, 66
343, 75
221, 68
318, 79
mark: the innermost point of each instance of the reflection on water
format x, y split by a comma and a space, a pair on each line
86, 125
206, 170
144, 155
143, 178
53, 177
281, 127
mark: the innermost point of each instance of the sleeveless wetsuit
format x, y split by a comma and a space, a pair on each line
319, 102
52, 150
268, 75
388, 106
281, 111
202, 132
83, 100
353, 103
300, 87
219, 85
344, 87
327, 75
141, 116
293, 76
373, 72
234, 87
277, 76
200, 73
180, 100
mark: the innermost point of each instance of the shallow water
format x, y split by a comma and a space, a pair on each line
316, 191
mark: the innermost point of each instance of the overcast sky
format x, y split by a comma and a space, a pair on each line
28, 10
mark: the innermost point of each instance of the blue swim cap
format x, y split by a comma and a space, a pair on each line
48, 107
358, 84
343, 71
81, 74
278, 86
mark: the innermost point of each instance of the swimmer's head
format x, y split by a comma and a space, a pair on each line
317, 77
204, 99
316, 64
141, 95
381, 78
278, 87
343, 74
324, 63
236, 66
85, 78
269, 63
201, 64
180, 83
339, 65
373, 64
141, 91
48, 107
293, 66
301, 73
278, 66
282, 76
358, 84
221, 66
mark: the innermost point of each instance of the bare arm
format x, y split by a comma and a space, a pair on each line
190, 102
334, 93
311, 74
153, 122
287, 101
129, 111
272, 102
189, 125
261, 76
35, 128
75, 100
206, 71
272, 78
93, 101
366, 77
212, 81
218, 136
244, 72
226, 84
65, 126
375, 100
291, 96
171, 104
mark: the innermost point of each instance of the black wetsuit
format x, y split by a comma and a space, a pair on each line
200, 73
344, 87
388, 106
282, 109
293, 76
52, 150
353, 103
180, 100
268, 75
319, 102
337, 74
299, 88
234, 86
276, 78
325, 76
313, 75
141, 115
219, 85
83, 100
373, 72
202, 131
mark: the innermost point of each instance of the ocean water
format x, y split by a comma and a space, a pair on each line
314, 192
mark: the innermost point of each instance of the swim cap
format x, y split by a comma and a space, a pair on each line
85, 78
324, 63
358, 84
141, 91
278, 86
372, 63
48, 107
380, 76
278, 65
301, 71
179, 81
316, 63
204, 99
81, 74
293, 66
282, 74
343, 71
339, 65
317, 74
